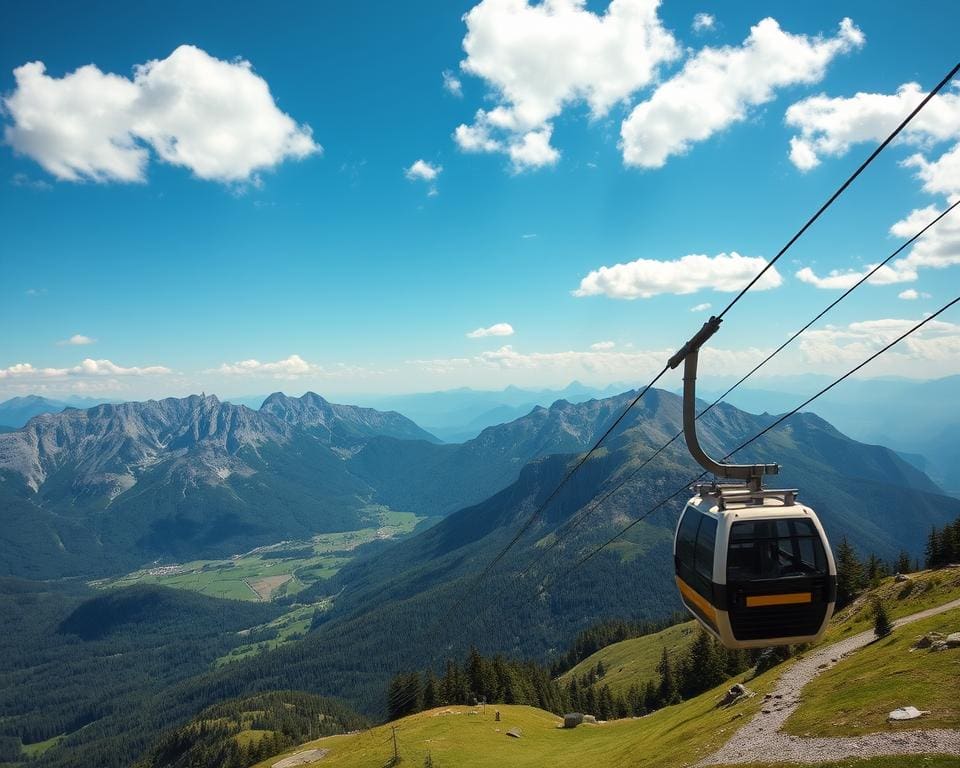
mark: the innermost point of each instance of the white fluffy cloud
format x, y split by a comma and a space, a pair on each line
291, 367
602, 346
911, 294
717, 87
644, 278
830, 126
538, 58
422, 170
701, 307
937, 249
703, 22
216, 118
934, 350
78, 339
497, 329
87, 367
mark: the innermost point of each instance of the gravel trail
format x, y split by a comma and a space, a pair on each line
761, 740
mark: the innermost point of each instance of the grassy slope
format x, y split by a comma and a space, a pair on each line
925, 589
635, 660
855, 696
680, 735
671, 738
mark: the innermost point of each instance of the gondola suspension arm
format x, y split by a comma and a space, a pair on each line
751, 474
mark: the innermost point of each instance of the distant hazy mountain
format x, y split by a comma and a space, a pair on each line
457, 415
19, 410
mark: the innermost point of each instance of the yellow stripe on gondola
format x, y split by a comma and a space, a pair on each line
692, 596
791, 598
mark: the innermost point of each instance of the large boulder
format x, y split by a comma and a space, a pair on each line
572, 719
953, 640
927, 640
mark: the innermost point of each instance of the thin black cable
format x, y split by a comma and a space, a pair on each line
577, 520
766, 429
843, 187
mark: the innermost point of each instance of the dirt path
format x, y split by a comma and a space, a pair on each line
761, 741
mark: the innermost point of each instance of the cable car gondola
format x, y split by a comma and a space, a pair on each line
753, 566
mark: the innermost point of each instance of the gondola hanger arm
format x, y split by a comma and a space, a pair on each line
688, 354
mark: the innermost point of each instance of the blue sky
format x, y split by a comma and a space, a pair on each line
220, 256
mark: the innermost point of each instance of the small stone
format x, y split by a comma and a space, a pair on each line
953, 640
902, 577
515, 733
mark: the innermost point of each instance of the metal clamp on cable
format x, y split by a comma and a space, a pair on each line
700, 338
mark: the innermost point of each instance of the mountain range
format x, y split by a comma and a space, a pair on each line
425, 592
101, 491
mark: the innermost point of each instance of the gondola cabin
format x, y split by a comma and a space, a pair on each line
754, 566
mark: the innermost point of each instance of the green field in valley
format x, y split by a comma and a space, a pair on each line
272, 571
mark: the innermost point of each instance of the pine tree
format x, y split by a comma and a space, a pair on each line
875, 570
934, 550
903, 563
431, 691
669, 693
881, 622
850, 577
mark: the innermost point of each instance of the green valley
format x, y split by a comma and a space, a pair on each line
275, 570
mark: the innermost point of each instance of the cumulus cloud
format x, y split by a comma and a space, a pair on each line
912, 294
87, 367
645, 278
602, 346
830, 126
934, 350
701, 307
938, 248
942, 175
289, 368
703, 22
497, 329
539, 58
423, 171
717, 87
217, 118
452, 84
78, 339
